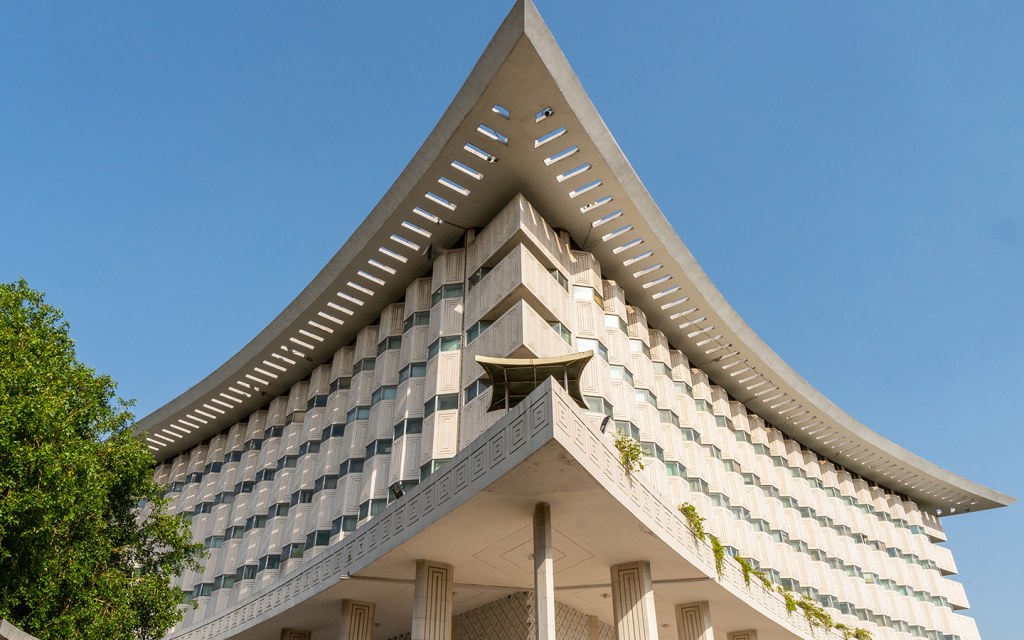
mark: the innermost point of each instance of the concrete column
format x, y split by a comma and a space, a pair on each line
746, 634
295, 634
593, 628
543, 572
432, 601
693, 621
633, 602
356, 620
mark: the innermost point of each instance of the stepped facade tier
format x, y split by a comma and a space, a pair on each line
354, 473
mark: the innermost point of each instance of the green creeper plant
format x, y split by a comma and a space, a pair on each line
694, 519
630, 452
718, 549
79, 558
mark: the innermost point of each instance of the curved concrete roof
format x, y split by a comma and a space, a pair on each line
522, 123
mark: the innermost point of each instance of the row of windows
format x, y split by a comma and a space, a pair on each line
780, 536
808, 512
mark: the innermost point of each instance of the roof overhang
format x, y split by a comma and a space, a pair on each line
534, 131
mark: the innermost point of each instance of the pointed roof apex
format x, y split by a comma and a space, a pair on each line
522, 123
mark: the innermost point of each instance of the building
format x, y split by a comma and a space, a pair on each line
355, 473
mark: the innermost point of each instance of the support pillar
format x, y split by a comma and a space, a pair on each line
693, 621
633, 601
356, 620
432, 601
746, 634
543, 572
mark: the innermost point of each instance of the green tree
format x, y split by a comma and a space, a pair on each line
87, 550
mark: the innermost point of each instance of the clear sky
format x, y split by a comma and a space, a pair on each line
850, 176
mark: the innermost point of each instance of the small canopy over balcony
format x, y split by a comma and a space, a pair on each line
512, 379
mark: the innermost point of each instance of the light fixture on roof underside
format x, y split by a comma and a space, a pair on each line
512, 379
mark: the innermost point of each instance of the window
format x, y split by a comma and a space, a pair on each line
344, 382
287, 462
302, 496
344, 523
561, 330
245, 486
384, 393
214, 542
639, 346
431, 467
702, 405
474, 331
675, 469
232, 456
325, 482
310, 446
372, 507
447, 343
316, 401
391, 342
336, 430
277, 510
417, 319
255, 522
645, 395
446, 291
589, 344
618, 372
265, 474
318, 539
612, 321
560, 278
587, 293
269, 562
476, 388
357, 413
598, 405
412, 370
292, 551
684, 389
668, 417
443, 402
477, 276
382, 446
353, 465
689, 435
366, 364
246, 572
408, 426
627, 428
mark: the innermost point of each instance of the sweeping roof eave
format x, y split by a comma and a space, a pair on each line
503, 135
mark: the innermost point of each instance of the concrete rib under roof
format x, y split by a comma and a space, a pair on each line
522, 124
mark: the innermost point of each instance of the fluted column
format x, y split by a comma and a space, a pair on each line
432, 602
356, 620
633, 602
693, 621
543, 572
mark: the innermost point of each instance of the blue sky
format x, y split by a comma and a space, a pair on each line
849, 175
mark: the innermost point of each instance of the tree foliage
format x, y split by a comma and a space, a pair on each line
79, 558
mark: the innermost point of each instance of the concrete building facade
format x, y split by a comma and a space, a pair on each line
351, 477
